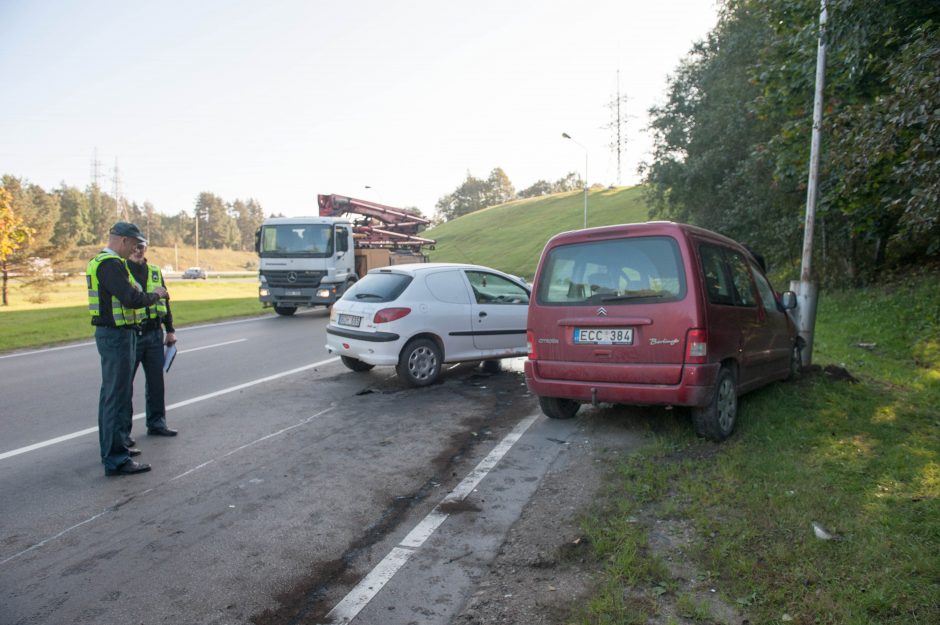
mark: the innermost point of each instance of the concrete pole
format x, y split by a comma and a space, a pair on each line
805, 289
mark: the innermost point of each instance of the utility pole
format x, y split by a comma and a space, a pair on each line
806, 291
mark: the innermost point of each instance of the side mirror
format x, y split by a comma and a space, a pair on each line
258, 241
788, 300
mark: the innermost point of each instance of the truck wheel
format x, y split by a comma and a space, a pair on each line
716, 420
286, 311
355, 364
557, 408
419, 363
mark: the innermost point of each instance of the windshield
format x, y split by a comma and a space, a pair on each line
620, 271
311, 240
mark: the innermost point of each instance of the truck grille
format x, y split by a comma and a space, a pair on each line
298, 279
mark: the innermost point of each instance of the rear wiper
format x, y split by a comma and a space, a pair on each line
365, 295
634, 295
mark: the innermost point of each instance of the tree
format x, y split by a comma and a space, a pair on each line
248, 217
537, 188
73, 227
731, 144
499, 189
14, 236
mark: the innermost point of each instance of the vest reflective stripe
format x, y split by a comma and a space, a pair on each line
122, 316
158, 310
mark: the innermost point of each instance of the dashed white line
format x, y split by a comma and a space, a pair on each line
360, 596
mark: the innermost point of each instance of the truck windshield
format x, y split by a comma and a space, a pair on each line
310, 240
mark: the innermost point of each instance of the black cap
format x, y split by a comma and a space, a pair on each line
124, 229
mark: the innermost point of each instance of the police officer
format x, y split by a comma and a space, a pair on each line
150, 342
113, 298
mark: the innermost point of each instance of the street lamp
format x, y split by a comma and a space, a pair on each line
565, 135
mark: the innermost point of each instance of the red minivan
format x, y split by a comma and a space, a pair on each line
656, 313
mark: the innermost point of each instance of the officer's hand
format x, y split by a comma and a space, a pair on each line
161, 291
170, 338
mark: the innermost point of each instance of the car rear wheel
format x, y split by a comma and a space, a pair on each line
796, 362
557, 408
716, 420
286, 311
420, 362
355, 364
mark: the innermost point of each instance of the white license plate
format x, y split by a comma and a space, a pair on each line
349, 320
292, 293
603, 336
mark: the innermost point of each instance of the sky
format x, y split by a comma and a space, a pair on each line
281, 100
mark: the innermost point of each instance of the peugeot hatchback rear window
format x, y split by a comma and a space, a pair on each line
378, 287
637, 270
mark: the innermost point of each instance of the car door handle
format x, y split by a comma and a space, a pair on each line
482, 314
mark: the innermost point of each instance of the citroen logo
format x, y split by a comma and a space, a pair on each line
601, 312
292, 276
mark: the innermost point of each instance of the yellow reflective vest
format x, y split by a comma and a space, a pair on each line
122, 316
158, 310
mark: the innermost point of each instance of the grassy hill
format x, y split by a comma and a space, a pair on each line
510, 237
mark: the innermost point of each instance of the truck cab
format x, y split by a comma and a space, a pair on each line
304, 261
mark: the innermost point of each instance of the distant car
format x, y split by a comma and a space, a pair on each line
422, 315
194, 273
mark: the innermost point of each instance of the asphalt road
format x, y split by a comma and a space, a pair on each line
296, 492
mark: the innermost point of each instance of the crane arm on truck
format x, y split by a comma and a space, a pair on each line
382, 226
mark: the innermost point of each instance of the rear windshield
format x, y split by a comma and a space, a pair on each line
378, 287
638, 270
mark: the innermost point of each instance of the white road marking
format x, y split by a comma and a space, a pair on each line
180, 404
89, 343
46, 541
357, 598
196, 349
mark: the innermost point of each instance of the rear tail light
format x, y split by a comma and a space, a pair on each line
696, 347
530, 345
390, 314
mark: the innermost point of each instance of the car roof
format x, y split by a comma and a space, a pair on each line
649, 228
415, 268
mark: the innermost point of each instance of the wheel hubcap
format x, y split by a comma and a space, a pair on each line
421, 363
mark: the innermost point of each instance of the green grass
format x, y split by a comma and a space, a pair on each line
510, 237
63, 315
861, 459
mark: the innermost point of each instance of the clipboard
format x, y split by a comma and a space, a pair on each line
168, 357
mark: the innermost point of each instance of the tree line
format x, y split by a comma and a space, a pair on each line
40, 228
732, 140
474, 193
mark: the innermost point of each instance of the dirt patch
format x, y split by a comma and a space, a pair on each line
545, 572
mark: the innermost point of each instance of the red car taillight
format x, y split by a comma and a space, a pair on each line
390, 314
696, 347
530, 344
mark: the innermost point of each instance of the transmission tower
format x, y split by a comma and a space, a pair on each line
116, 191
95, 169
617, 125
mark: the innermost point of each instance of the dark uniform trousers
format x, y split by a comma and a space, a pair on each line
117, 347
150, 355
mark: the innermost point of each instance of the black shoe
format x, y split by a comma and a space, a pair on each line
128, 468
130, 442
164, 431
133, 451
